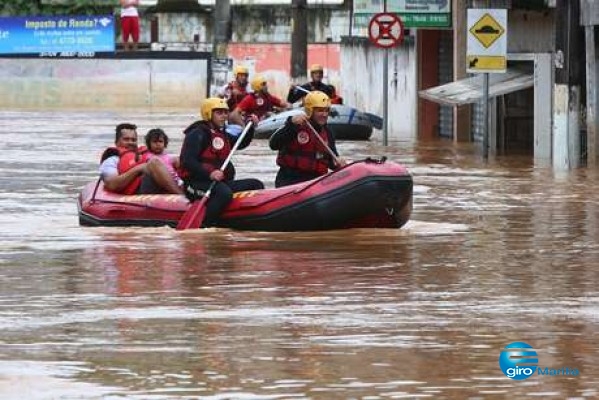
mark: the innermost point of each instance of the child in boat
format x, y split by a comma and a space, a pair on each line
302, 156
157, 142
126, 169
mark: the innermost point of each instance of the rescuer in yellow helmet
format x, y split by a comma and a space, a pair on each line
260, 102
296, 92
237, 89
206, 146
302, 156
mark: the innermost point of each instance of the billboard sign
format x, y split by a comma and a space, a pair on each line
66, 36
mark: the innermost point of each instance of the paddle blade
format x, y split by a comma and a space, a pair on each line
194, 216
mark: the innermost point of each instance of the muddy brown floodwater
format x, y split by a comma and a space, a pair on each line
494, 253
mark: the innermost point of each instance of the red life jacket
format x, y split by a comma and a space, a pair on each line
214, 155
305, 153
264, 105
233, 100
127, 160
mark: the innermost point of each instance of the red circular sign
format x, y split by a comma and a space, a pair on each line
385, 30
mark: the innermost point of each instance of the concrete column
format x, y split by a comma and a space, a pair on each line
299, 40
566, 127
568, 77
543, 106
222, 28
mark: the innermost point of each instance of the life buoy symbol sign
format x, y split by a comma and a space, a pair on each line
385, 30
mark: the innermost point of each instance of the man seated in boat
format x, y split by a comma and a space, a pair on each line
297, 93
127, 169
302, 156
259, 103
236, 90
205, 148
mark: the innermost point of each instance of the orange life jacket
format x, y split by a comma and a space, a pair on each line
127, 160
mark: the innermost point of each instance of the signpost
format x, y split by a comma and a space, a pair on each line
385, 30
486, 53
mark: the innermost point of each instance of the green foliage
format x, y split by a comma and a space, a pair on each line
56, 7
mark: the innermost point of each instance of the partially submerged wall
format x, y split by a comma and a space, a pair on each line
34, 83
364, 63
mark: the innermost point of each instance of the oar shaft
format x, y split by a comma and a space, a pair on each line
230, 156
194, 216
302, 89
323, 143
236, 145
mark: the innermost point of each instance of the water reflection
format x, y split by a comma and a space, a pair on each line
494, 253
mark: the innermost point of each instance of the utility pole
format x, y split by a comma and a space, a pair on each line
589, 12
489, 139
299, 40
568, 76
461, 114
222, 28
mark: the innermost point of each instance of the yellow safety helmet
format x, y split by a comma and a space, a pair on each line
240, 69
210, 104
257, 82
316, 68
316, 99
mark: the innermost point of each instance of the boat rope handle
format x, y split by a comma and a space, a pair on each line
96, 189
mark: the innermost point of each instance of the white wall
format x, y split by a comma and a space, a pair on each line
364, 62
101, 83
531, 31
249, 25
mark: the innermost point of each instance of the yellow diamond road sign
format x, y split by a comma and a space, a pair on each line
487, 30
486, 49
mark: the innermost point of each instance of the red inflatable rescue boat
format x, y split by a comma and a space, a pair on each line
363, 194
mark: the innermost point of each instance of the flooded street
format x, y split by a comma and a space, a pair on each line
493, 254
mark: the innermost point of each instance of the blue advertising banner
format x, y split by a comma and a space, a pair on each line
57, 36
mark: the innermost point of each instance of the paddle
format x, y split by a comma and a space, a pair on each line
195, 214
297, 87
